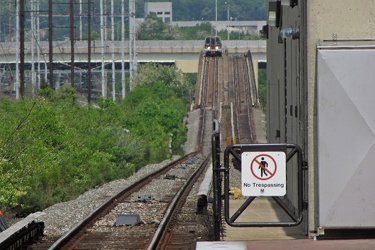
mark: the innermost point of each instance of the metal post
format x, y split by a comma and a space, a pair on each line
104, 86
22, 47
33, 78
217, 181
89, 50
132, 44
215, 17
71, 19
105, 20
80, 20
17, 84
38, 41
123, 49
113, 51
50, 42
228, 21
45, 68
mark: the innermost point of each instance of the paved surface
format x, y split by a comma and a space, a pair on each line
264, 210
289, 244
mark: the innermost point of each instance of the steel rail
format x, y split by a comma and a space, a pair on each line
75, 231
236, 98
171, 210
248, 90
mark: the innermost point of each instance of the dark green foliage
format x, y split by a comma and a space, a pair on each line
262, 85
153, 28
205, 10
53, 148
183, 10
153, 117
150, 74
157, 107
199, 32
45, 91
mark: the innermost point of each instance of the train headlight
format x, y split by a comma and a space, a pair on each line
217, 47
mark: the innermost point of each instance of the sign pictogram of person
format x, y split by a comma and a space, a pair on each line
263, 173
262, 166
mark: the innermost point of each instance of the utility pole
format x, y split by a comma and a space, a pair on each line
38, 41
102, 33
71, 20
50, 43
227, 20
10, 18
113, 51
105, 16
215, 17
132, 44
17, 83
123, 49
22, 47
89, 50
33, 35
80, 20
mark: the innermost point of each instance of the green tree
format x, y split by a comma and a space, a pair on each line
153, 113
54, 148
153, 28
199, 32
149, 74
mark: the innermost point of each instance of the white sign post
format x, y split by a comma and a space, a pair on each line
263, 173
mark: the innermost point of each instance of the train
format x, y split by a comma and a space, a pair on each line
213, 46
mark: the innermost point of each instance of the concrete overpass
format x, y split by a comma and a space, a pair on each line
184, 54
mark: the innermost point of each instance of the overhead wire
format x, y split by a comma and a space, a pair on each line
40, 44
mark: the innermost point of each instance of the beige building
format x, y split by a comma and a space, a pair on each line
162, 10
320, 60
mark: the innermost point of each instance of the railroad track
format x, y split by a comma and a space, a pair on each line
242, 100
180, 226
227, 86
134, 219
159, 227
225, 93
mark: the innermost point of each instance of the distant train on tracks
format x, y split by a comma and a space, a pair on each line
213, 46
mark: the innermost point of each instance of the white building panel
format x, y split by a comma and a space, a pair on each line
346, 136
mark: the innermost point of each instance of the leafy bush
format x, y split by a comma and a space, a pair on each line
153, 114
53, 148
170, 76
262, 82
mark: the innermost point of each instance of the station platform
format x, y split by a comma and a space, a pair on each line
265, 209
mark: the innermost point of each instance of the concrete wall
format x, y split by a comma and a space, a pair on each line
329, 20
187, 66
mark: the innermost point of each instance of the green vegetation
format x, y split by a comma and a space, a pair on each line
53, 148
262, 88
153, 28
188, 10
183, 10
